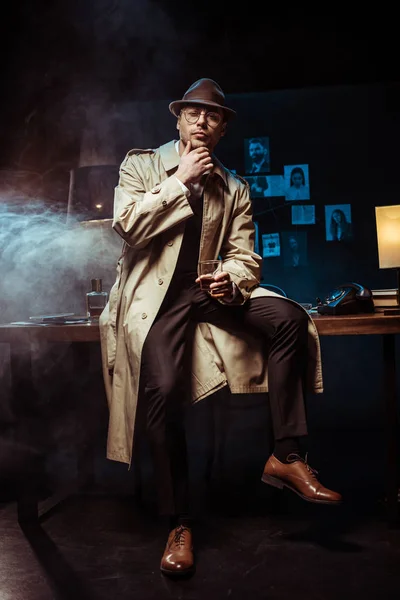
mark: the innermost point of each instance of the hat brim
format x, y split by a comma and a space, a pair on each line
176, 107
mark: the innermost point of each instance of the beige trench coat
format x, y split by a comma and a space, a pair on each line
150, 211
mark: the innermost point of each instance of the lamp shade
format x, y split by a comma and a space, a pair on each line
388, 234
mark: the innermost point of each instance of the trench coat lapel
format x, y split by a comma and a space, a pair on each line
213, 209
169, 156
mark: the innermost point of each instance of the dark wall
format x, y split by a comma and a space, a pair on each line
347, 134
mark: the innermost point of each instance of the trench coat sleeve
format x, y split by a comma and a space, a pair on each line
141, 214
237, 251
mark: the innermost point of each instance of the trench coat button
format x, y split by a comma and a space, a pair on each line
156, 189
160, 282
144, 316
170, 243
164, 203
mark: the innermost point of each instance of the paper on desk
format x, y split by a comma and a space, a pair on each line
26, 323
54, 317
54, 321
61, 318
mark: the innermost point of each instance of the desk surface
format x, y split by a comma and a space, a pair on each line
372, 324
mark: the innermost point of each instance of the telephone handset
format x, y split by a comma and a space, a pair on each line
347, 299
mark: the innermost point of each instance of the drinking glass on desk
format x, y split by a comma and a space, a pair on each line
207, 270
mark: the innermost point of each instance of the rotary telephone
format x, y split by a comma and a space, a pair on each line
347, 299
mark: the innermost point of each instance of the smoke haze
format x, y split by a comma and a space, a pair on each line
46, 265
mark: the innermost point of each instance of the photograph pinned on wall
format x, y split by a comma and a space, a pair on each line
271, 245
297, 184
265, 186
303, 214
256, 238
294, 248
338, 224
256, 153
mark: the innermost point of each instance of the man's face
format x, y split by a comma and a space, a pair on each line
257, 152
206, 131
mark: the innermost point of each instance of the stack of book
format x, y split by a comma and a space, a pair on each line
385, 298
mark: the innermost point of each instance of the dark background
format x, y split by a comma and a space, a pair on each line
76, 77
60, 59
83, 82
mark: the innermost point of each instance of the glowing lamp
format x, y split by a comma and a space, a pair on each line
388, 235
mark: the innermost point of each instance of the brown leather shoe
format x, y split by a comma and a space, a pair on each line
299, 477
178, 554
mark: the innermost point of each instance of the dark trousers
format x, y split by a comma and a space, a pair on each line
166, 374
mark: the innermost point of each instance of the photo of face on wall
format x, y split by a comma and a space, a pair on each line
338, 224
256, 153
271, 245
297, 185
294, 248
263, 186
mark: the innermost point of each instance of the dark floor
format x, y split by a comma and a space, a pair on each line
251, 542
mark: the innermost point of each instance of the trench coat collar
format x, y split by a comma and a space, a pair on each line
170, 160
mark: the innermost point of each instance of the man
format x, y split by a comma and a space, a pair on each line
258, 153
163, 337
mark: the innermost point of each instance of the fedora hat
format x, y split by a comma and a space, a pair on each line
206, 92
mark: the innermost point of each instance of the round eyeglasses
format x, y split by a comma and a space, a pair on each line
192, 115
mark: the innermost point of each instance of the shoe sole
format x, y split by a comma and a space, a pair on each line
178, 574
278, 483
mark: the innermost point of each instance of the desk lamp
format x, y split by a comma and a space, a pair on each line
388, 235
90, 209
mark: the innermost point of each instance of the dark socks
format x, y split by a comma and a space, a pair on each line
182, 519
285, 447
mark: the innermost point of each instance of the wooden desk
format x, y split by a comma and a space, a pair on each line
20, 338
387, 326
